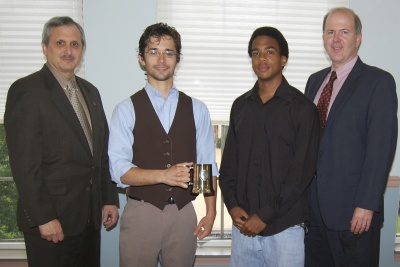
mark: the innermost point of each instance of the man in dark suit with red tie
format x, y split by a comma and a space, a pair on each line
57, 138
358, 110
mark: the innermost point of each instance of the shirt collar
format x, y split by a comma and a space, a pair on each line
152, 92
344, 70
282, 91
62, 80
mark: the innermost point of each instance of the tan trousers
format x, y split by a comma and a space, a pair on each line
149, 235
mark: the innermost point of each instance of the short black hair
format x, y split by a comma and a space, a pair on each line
273, 33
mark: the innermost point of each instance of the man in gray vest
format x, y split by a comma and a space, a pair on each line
154, 136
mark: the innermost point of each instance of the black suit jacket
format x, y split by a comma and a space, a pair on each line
357, 145
50, 158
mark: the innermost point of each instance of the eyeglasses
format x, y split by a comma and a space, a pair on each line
157, 53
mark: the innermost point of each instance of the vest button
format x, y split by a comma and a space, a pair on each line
168, 189
168, 165
167, 154
166, 141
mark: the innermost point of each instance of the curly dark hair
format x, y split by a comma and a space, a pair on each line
160, 30
273, 33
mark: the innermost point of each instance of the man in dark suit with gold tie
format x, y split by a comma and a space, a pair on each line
57, 137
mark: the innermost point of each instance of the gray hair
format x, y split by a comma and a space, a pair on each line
60, 21
357, 21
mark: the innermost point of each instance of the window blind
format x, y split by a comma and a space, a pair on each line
215, 66
21, 25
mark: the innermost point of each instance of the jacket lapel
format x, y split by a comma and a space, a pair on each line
61, 100
95, 115
317, 83
345, 92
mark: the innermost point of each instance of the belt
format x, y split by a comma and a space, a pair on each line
169, 201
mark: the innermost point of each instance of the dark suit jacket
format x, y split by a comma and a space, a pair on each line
50, 158
357, 145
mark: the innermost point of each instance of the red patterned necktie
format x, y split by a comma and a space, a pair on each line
325, 98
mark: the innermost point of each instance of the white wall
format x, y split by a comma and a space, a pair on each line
380, 41
113, 29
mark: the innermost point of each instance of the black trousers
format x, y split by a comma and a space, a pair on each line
327, 248
76, 251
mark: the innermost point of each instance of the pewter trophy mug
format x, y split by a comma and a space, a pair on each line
201, 179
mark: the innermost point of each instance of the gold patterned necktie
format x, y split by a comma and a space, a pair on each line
325, 98
73, 98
